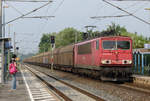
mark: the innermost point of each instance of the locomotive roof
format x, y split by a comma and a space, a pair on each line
106, 37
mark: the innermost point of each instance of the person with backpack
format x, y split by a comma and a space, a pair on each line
13, 71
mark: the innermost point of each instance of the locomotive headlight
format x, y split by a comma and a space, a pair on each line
106, 61
126, 61
130, 61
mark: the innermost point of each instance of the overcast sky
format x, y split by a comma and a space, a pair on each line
71, 13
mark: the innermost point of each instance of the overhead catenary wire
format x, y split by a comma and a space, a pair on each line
40, 17
52, 14
117, 16
28, 13
14, 8
58, 6
131, 0
127, 12
128, 7
95, 17
27, 0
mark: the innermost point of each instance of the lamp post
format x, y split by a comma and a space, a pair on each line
4, 20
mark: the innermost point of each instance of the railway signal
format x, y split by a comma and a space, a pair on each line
52, 38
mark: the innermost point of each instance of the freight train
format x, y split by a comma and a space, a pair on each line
106, 58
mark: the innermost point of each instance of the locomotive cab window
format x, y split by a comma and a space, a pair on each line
97, 44
116, 45
109, 45
123, 45
84, 49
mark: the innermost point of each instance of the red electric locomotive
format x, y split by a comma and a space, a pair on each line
105, 58
109, 58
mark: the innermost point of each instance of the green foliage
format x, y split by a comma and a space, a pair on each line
68, 36
44, 43
113, 30
138, 40
62, 38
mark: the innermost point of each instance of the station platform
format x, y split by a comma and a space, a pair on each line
20, 94
139, 79
29, 88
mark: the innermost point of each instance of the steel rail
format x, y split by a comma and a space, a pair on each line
51, 87
131, 87
97, 98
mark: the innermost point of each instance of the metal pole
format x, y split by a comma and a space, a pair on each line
2, 45
2, 61
3, 22
52, 57
14, 43
9, 30
0, 18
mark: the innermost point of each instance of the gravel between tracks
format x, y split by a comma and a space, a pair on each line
102, 89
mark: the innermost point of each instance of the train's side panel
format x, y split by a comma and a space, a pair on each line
45, 57
65, 56
87, 54
55, 56
83, 55
96, 53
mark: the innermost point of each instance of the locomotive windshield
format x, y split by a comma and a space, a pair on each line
116, 45
109, 44
123, 45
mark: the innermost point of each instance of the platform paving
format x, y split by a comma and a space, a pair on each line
20, 94
140, 79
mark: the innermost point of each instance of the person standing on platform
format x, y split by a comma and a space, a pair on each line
13, 71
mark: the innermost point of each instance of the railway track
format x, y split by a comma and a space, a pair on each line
67, 91
135, 87
107, 90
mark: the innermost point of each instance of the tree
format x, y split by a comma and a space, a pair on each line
44, 44
67, 36
113, 30
62, 38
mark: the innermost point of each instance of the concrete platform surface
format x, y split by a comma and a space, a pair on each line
144, 80
20, 94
